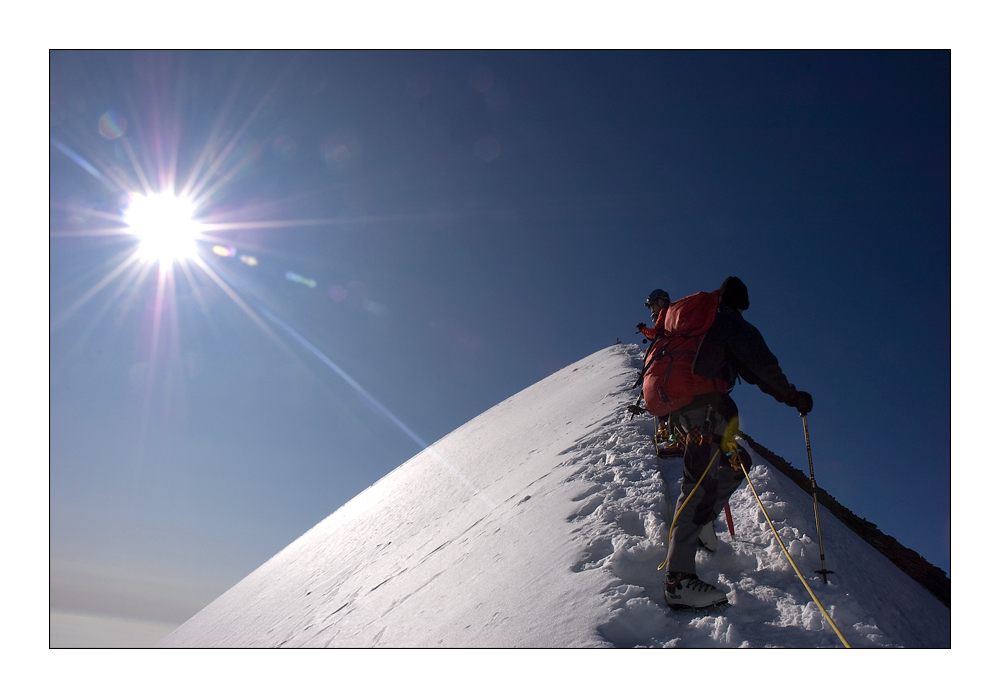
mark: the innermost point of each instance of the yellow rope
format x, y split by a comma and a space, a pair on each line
794, 566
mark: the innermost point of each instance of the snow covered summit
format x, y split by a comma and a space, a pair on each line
541, 523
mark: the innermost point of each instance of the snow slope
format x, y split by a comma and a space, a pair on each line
541, 524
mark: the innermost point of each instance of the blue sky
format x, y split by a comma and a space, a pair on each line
445, 229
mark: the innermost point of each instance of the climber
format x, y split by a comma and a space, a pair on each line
731, 348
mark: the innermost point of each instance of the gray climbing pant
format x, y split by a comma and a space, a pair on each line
716, 487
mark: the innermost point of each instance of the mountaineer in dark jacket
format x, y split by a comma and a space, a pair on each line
731, 348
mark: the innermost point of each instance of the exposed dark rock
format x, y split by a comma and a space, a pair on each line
924, 573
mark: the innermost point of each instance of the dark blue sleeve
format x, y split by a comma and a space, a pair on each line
735, 347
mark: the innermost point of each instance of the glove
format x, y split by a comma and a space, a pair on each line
641, 326
802, 401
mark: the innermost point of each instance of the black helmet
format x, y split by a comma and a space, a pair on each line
657, 295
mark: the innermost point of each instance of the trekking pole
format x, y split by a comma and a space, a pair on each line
812, 477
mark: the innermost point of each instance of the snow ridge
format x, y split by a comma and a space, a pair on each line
541, 524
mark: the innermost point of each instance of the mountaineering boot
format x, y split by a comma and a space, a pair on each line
683, 590
707, 538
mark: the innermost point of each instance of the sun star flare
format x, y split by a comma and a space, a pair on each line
165, 226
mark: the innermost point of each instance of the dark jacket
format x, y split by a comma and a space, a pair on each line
733, 347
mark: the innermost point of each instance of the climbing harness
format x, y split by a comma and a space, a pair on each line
812, 477
794, 566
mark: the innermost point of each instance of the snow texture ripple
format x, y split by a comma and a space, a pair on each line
541, 524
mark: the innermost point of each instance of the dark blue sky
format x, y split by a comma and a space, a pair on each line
471, 222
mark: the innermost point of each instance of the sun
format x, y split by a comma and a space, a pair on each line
165, 226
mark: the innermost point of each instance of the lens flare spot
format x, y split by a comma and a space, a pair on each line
338, 293
249, 260
292, 276
112, 125
223, 251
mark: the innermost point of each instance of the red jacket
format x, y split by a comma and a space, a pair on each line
651, 332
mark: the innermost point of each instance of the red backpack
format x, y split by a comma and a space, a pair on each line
669, 382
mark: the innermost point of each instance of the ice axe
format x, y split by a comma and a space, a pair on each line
634, 410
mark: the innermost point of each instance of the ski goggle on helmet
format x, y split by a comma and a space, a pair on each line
655, 296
